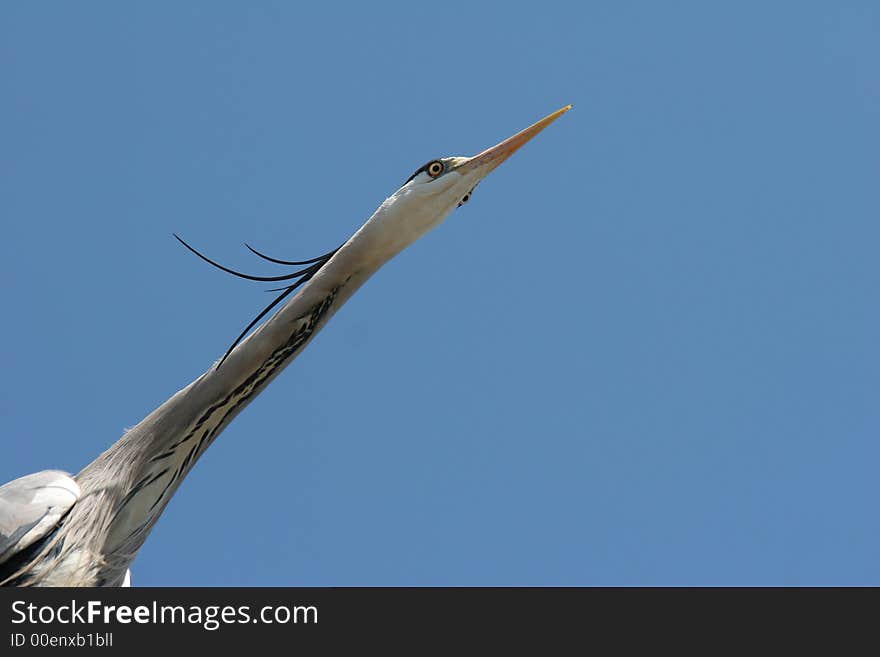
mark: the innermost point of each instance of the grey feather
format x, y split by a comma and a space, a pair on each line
31, 508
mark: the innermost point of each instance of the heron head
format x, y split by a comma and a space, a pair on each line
449, 182
436, 189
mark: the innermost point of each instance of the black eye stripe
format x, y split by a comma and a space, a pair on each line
424, 168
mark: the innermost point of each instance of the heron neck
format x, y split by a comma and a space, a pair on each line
154, 456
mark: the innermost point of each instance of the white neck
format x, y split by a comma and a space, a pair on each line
157, 454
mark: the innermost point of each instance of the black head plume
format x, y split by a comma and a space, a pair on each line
298, 278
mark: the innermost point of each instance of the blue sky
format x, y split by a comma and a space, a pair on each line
645, 353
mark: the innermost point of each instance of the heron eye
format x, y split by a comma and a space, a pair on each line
466, 198
435, 168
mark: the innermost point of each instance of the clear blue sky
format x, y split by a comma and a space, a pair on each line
645, 353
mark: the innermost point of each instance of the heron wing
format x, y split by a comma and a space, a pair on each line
31, 508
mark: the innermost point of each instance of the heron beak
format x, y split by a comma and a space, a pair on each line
489, 159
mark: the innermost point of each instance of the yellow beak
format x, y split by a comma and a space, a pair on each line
490, 158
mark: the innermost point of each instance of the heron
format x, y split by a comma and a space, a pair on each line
57, 529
